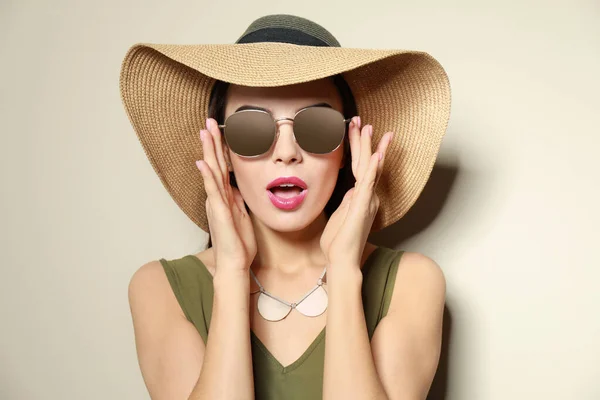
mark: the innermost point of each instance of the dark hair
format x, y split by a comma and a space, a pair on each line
345, 180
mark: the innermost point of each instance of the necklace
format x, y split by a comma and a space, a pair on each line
272, 308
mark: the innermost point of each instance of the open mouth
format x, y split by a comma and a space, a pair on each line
286, 192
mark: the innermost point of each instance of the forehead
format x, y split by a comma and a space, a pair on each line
284, 98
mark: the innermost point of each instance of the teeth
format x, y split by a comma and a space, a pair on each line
286, 185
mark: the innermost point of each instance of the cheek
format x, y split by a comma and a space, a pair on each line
337, 157
246, 178
327, 176
324, 174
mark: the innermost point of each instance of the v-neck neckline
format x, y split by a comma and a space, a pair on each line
298, 361
313, 345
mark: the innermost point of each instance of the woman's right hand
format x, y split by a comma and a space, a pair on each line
231, 229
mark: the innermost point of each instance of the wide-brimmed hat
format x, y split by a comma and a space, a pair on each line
165, 89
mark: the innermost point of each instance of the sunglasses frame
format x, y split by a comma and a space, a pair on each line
276, 136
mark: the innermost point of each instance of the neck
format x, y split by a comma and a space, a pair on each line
289, 253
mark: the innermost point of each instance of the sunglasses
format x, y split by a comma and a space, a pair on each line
252, 133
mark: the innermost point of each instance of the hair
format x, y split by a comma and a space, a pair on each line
345, 180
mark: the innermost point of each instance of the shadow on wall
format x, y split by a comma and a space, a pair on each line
418, 218
425, 210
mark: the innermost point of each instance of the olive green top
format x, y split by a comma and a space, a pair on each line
303, 379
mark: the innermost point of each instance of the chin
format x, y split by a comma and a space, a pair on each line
284, 221
287, 224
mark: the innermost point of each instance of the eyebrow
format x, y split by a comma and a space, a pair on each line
251, 107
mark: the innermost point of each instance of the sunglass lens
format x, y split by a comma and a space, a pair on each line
319, 130
249, 132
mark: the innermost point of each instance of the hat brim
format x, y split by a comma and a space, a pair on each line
165, 89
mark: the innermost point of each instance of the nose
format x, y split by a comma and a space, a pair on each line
286, 148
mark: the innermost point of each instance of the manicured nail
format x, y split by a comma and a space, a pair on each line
208, 123
198, 164
359, 121
371, 131
202, 135
380, 156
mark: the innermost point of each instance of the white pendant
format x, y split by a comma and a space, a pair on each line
271, 309
315, 304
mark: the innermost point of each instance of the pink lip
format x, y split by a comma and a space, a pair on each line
294, 180
287, 204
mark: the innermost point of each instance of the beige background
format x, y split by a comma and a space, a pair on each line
511, 212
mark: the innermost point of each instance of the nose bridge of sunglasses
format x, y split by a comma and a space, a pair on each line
283, 124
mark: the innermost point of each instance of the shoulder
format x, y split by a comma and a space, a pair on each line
419, 278
150, 273
421, 268
149, 285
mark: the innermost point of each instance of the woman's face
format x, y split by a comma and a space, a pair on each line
285, 158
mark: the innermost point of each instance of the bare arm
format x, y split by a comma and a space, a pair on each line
228, 358
172, 354
407, 342
170, 350
348, 374
401, 360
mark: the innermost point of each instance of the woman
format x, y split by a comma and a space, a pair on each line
246, 318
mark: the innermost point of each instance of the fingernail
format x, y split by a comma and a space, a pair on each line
202, 135
208, 123
380, 156
358, 121
371, 131
198, 165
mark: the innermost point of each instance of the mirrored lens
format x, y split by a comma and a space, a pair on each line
249, 132
319, 130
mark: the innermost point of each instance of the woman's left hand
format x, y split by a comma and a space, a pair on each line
345, 235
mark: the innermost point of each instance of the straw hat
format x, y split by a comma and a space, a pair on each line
165, 89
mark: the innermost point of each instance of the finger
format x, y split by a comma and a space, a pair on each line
342, 209
354, 138
214, 130
223, 224
371, 174
239, 200
213, 192
217, 138
347, 196
365, 151
366, 186
382, 148
361, 200
210, 158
